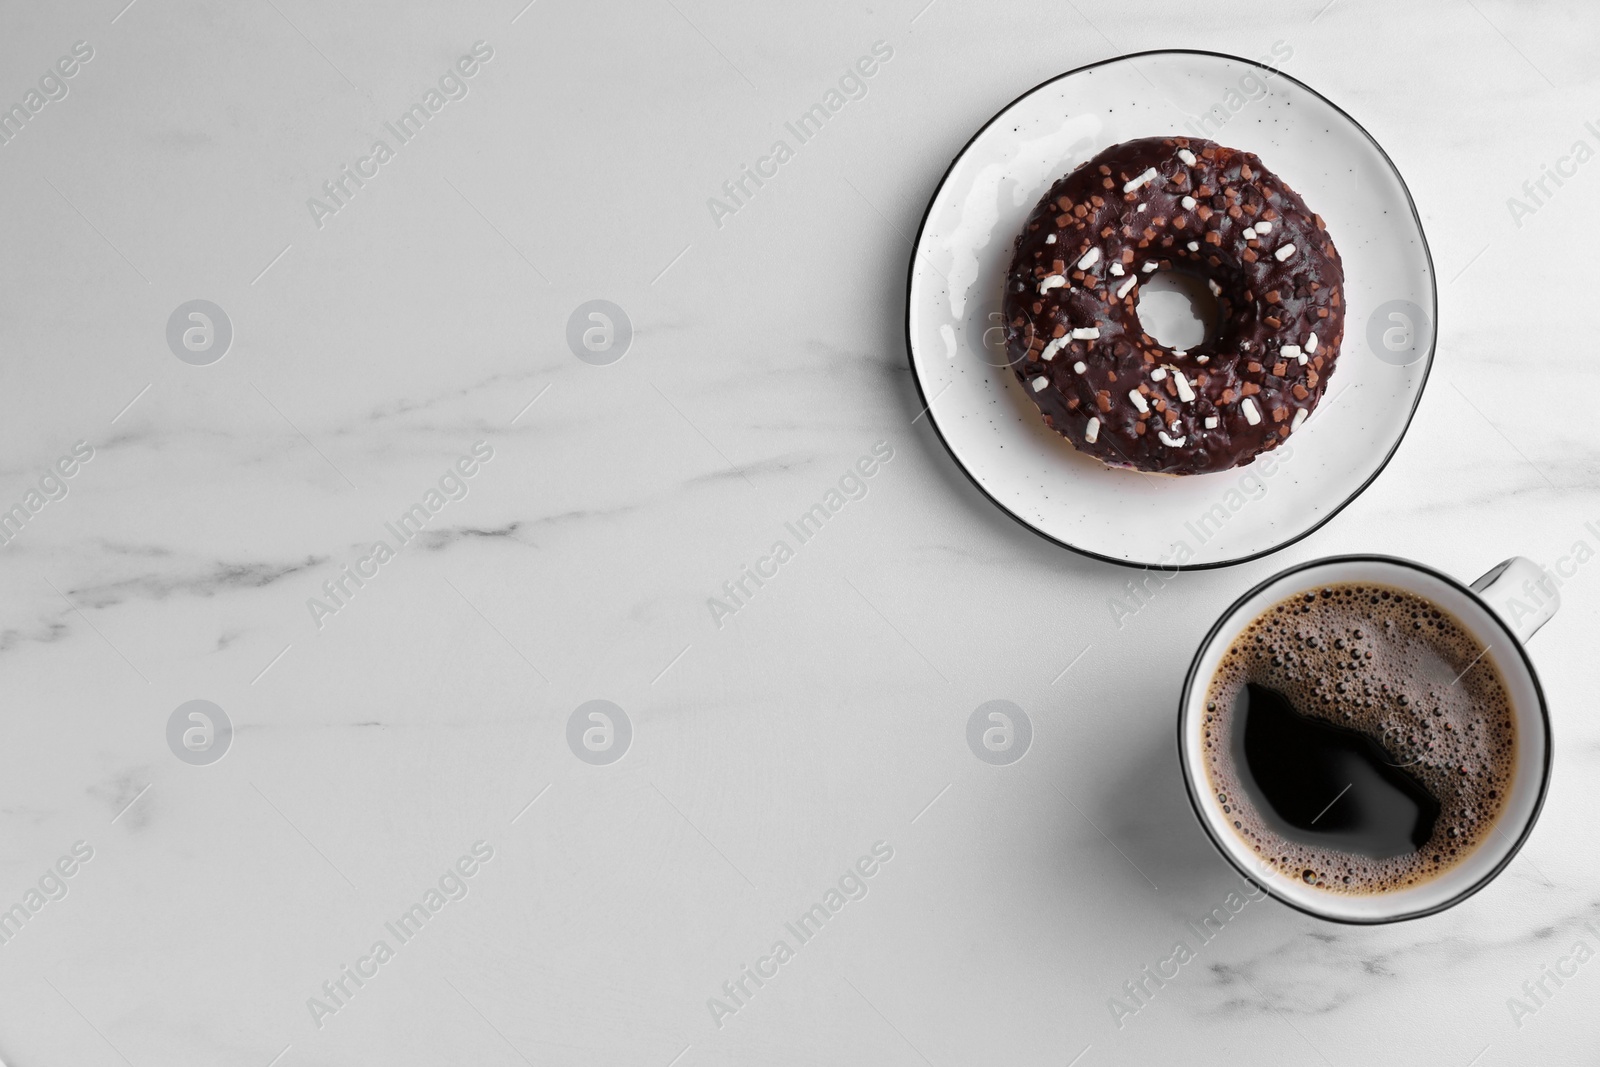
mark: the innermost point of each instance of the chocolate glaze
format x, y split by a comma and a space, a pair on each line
1264, 304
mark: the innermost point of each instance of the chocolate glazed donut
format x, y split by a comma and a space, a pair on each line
1072, 325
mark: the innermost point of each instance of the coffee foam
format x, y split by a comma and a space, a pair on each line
1398, 668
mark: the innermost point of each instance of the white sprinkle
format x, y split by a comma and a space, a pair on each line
1249, 233
1311, 344
1187, 157
1283, 253
1090, 258
1147, 176
1187, 202
1149, 265
1054, 281
1194, 246
1292, 352
1142, 207
1116, 268
1216, 290
1263, 227
1091, 431
1179, 353
1252, 414
1299, 417
1138, 401
1158, 374
1185, 390
1050, 240
1202, 359
1170, 442
1040, 382
1211, 422
1080, 366
1086, 333
1122, 290
1056, 345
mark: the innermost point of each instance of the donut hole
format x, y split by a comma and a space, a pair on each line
1177, 309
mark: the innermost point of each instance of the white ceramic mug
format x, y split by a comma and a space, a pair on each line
1502, 610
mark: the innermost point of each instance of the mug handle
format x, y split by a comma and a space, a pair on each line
1522, 593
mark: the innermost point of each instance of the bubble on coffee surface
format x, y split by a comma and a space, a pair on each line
1396, 667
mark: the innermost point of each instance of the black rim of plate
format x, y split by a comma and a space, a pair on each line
1427, 363
1191, 787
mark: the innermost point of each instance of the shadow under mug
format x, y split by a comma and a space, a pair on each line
1501, 610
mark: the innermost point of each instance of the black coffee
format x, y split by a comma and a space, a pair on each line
1290, 764
1359, 738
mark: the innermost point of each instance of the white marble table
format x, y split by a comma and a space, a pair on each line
424, 712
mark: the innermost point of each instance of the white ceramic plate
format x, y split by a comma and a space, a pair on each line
993, 429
